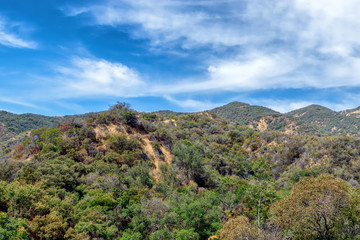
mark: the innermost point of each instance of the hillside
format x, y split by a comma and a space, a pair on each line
312, 120
327, 121
12, 124
128, 175
351, 112
244, 113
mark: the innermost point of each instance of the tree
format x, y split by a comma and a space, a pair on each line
238, 228
51, 226
319, 208
188, 159
198, 214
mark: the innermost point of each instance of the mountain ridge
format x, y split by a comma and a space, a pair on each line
312, 120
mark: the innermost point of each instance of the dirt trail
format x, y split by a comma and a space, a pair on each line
167, 154
149, 149
158, 160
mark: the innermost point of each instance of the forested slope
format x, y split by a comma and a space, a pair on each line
127, 175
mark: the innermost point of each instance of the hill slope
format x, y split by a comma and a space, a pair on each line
312, 120
351, 112
262, 118
127, 175
327, 121
12, 124
243, 113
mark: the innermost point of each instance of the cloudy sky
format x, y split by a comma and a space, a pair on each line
67, 57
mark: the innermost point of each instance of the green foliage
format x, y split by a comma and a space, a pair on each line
199, 214
13, 229
16, 124
149, 116
204, 177
51, 226
313, 120
120, 112
327, 121
187, 234
319, 208
120, 143
139, 175
189, 159
242, 112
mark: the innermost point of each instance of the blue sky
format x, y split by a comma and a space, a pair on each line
69, 57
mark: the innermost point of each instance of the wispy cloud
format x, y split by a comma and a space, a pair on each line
245, 44
278, 43
163, 22
329, 26
10, 38
19, 102
93, 77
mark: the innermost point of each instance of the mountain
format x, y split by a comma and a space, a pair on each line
312, 120
262, 118
244, 113
127, 175
327, 121
12, 124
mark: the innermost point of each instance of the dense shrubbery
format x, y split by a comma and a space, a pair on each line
97, 180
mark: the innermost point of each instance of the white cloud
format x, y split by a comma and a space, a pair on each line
323, 26
241, 74
275, 71
333, 25
254, 72
329, 26
317, 39
344, 73
87, 77
11, 39
277, 44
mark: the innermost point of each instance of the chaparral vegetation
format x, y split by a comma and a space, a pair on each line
121, 174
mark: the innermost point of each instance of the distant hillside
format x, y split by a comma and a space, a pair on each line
311, 120
351, 112
244, 113
12, 124
167, 113
327, 121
